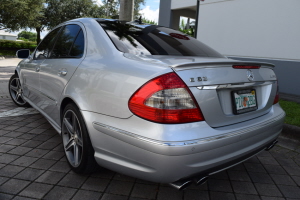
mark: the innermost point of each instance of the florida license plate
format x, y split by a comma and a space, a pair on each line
244, 101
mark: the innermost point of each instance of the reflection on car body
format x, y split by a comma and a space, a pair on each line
148, 101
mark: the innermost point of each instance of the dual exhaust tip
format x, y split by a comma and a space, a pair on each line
183, 184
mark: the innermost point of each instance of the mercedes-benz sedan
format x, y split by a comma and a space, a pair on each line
148, 101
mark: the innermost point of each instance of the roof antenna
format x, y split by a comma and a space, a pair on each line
140, 20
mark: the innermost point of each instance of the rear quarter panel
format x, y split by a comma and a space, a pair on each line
105, 80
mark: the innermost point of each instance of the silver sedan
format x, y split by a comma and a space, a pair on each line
148, 101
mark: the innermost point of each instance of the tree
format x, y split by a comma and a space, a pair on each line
112, 8
183, 28
27, 35
147, 21
16, 14
137, 7
41, 14
59, 11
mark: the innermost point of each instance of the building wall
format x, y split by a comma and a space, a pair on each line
252, 28
176, 14
262, 30
179, 4
164, 18
7, 37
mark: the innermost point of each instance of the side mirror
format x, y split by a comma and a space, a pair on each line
23, 53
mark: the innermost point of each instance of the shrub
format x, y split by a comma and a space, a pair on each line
16, 45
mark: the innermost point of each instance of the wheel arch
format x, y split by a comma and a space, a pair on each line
17, 72
64, 103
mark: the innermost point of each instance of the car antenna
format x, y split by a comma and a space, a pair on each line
139, 21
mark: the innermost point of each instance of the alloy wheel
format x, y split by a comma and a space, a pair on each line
72, 138
16, 91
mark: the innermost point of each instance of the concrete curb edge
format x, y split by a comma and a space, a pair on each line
291, 131
7, 57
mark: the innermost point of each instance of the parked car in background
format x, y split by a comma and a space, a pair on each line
148, 101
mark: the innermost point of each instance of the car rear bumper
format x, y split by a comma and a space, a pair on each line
167, 153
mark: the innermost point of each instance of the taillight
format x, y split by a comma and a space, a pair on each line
165, 99
246, 66
277, 94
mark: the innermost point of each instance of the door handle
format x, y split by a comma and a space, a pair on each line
62, 72
37, 69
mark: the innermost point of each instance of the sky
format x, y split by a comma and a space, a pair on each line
149, 11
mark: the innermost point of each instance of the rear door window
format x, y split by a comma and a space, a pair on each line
45, 47
78, 46
70, 43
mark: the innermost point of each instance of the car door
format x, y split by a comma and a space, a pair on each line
57, 70
31, 68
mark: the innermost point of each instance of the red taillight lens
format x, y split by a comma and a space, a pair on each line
246, 66
165, 99
277, 94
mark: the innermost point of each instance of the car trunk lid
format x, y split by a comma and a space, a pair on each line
227, 95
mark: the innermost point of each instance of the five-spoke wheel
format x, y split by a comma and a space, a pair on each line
16, 92
72, 138
76, 141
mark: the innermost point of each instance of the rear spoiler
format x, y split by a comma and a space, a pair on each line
211, 64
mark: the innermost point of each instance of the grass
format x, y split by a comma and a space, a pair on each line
292, 110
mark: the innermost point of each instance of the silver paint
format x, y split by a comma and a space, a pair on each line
103, 80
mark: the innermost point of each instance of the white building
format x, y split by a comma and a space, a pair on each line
262, 30
7, 36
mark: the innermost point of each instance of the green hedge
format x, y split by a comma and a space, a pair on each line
7, 52
15, 45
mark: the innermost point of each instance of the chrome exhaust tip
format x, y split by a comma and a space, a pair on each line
201, 180
181, 184
271, 146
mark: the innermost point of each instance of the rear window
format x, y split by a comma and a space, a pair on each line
154, 40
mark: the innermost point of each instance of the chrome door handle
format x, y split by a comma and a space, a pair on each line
37, 69
62, 72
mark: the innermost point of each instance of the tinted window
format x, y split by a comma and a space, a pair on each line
44, 48
65, 41
78, 46
154, 40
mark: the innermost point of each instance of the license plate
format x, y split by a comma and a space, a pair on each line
244, 101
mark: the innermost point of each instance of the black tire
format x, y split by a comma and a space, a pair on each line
16, 92
76, 141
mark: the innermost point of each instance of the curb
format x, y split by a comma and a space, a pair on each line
291, 131
5, 57
289, 97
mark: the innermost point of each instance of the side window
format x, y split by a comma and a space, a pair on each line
65, 40
78, 46
44, 48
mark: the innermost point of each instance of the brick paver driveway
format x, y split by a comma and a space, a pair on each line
33, 166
